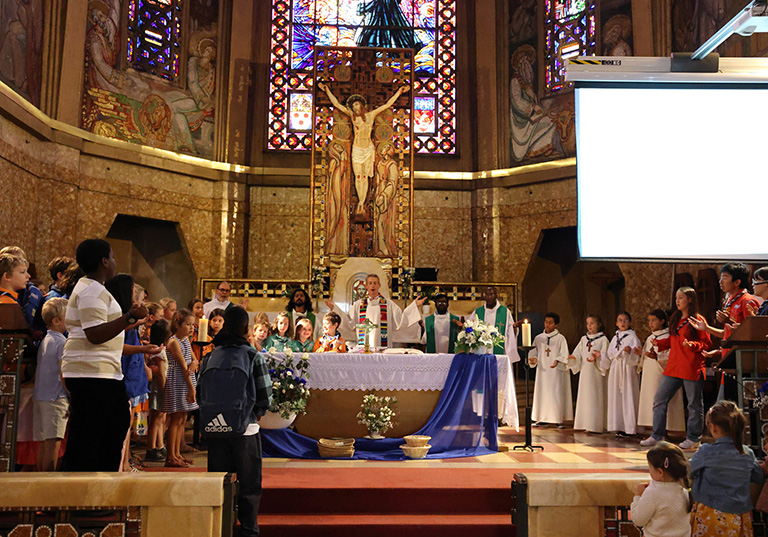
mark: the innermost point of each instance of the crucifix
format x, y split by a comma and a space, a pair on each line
548, 352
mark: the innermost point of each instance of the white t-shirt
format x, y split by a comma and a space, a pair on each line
91, 305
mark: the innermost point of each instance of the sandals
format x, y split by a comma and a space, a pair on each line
175, 463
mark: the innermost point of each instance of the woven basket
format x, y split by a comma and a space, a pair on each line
332, 448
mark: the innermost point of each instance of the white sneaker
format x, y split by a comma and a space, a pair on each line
648, 442
689, 444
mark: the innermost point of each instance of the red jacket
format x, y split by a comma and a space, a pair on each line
686, 362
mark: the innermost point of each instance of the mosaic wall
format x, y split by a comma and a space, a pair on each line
21, 47
142, 108
542, 114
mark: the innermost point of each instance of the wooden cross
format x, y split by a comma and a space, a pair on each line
548, 352
589, 346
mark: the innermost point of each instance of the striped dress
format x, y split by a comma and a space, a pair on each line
175, 392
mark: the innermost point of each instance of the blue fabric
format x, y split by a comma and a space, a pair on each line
133, 368
470, 377
721, 476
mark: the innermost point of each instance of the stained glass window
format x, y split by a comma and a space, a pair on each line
427, 26
569, 31
154, 37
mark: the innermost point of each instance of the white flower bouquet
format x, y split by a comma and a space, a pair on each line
377, 413
477, 335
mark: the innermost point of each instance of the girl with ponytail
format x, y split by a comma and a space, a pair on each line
722, 473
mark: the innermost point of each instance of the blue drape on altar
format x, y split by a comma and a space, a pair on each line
464, 423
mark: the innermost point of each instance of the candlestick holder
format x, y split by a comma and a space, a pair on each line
528, 446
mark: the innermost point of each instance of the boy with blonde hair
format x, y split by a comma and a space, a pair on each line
13, 277
51, 402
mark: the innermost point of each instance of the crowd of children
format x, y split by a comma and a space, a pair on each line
624, 383
159, 362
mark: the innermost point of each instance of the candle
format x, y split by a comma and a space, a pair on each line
202, 332
526, 333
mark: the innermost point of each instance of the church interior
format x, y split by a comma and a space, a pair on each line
194, 137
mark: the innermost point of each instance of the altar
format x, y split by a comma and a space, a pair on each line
462, 421
338, 382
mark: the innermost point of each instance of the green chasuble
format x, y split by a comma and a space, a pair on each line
429, 327
501, 324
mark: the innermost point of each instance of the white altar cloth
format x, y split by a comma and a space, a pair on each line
416, 372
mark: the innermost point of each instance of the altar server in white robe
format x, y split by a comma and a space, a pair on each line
441, 329
623, 382
552, 400
495, 313
591, 360
652, 363
381, 311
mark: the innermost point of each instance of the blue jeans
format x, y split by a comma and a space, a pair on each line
693, 392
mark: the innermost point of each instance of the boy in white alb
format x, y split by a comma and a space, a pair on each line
623, 382
552, 401
590, 359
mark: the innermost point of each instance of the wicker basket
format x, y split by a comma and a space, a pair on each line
332, 448
417, 440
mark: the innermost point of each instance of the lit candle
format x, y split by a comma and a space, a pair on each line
202, 332
526, 333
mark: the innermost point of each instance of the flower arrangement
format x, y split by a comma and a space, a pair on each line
289, 383
406, 279
377, 413
476, 334
318, 280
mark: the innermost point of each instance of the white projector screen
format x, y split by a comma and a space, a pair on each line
672, 172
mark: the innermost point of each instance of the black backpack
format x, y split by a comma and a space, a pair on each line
227, 391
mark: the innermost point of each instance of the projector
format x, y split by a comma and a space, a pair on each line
753, 18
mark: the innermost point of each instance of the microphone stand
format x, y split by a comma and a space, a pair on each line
528, 446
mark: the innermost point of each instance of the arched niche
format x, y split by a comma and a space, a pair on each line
155, 253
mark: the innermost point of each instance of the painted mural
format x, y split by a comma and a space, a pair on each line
21, 46
137, 107
542, 124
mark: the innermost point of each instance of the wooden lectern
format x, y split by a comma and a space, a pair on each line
14, 334
748, 359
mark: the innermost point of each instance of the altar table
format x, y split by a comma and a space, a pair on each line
337, 383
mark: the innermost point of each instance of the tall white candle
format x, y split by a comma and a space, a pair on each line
526, 333
202, 331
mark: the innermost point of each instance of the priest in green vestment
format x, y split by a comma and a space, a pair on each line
495, 313
300, 305
441, 328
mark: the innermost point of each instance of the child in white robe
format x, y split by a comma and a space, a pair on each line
590, 359
623, 382
651, 365
552, 400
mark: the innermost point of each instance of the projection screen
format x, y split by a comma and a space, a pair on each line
671, 171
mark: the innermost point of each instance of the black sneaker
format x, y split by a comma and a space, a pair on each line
154, 455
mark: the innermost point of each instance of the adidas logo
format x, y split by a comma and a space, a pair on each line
218, 425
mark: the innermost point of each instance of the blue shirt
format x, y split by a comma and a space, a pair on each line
721, 476
48, 385
133, 368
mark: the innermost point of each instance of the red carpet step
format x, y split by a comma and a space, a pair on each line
373, 502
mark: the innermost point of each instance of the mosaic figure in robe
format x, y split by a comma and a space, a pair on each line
363, 150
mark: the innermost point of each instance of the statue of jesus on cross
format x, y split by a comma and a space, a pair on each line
363, 150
